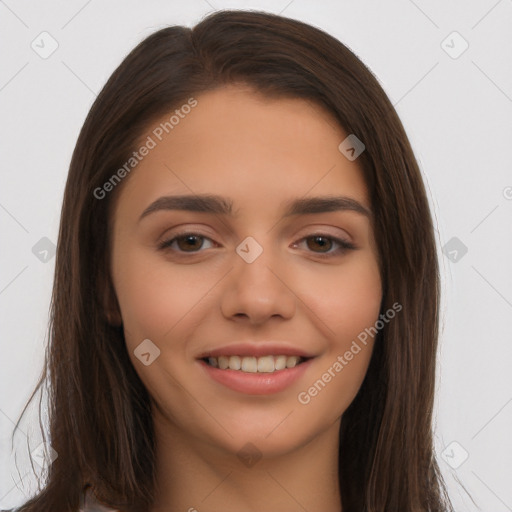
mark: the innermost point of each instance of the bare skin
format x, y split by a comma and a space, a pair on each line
259, 153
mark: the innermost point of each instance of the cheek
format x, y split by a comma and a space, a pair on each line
346, 300
151, 297
348, 304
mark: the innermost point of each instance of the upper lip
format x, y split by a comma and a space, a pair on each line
256, 349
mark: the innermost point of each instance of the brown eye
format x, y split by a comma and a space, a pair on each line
319, 241
189, 242
325, 245
185, 243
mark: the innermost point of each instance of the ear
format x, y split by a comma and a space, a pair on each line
108, 300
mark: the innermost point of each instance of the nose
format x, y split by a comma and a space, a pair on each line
258, 291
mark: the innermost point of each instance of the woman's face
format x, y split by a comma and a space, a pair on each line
252, 284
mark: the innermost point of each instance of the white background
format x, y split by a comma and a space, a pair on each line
457, 112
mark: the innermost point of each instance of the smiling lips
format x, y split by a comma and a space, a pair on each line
256, 369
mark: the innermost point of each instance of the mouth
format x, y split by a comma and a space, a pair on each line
252, 364
256, 368
255, 375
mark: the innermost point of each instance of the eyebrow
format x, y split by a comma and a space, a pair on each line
209, 203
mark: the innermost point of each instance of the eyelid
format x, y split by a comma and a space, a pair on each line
309, 230
184, 229
325, 230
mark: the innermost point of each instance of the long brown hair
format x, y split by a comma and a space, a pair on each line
100, 420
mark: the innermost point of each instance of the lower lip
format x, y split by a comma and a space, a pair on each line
257, 383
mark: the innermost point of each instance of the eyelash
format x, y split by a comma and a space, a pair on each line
344, 246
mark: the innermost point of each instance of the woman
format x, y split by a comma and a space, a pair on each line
245, 307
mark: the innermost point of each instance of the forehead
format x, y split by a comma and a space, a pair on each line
257, 150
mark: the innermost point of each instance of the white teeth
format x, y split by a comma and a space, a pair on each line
280, 362
265, 364
235, 363
292, 361
249, 364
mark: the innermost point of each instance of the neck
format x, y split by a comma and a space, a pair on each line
198, 476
